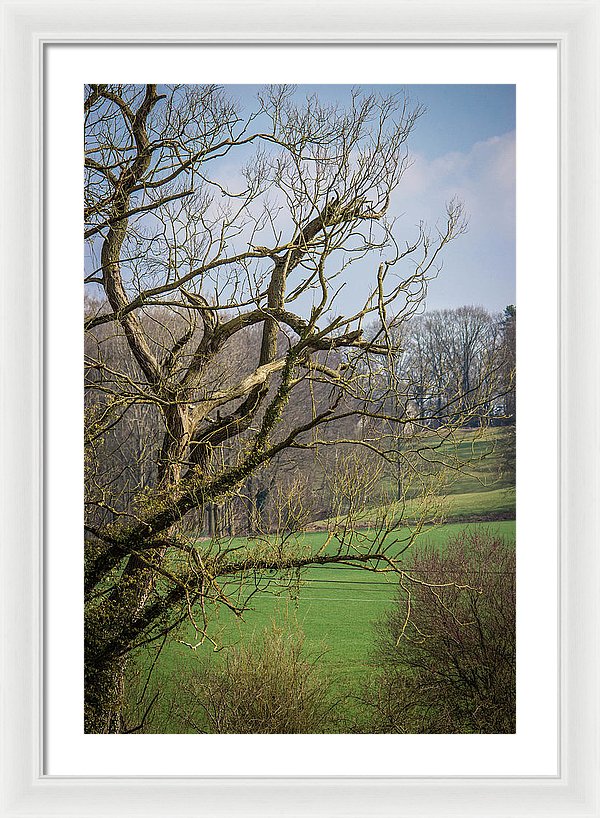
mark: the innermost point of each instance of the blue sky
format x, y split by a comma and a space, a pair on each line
464, 145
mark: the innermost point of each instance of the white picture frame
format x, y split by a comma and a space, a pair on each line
574, 26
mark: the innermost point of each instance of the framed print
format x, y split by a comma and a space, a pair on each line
215, 515
309, 481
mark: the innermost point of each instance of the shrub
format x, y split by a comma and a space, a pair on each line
267, 685
445, 654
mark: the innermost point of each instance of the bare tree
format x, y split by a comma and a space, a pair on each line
445, 653
218, 246
455, 360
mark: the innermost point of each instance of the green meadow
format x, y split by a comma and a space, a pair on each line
335, 608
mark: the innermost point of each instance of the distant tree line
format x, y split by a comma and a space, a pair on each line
454, 364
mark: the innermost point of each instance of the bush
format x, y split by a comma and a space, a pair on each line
445, 654
265, 686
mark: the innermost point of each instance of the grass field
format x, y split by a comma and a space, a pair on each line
479, 453
475, 506
335, 607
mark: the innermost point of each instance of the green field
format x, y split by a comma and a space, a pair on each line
478, 489
335, 607
476, 506
480, 455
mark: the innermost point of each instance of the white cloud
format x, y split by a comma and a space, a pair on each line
479, 266
483, 178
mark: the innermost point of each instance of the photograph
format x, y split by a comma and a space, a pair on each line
299, 472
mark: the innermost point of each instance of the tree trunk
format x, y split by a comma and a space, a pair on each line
104, 695
108, 639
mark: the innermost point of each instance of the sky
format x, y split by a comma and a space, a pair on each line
463, 146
